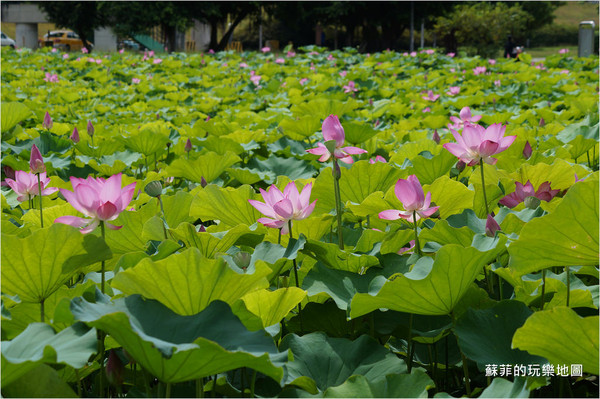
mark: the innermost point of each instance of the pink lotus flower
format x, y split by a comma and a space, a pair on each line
47, 122
492, 61
544, 193
303, 81
453, 90
343, 74
36, 162
243, 65
451, 55
26, 185
121, 51
491, 226
426, 109
84, 50
65, 56
255, 79
280, 61
75, 136
135, 81
430, 96
333, 130
378, 158
478, 143
480, 70
90, 128
151, 53
415, 202
413, 54
290, 54
157, 61
349, 88
265, 49
280, 208
563, 51
565, 71
51, 78
99, 199
527, 150
497, 83
465, 119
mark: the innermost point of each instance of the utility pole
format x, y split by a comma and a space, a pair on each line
260, 33
422, 33
412, 26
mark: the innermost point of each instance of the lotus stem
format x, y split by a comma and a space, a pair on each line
79, 393
168, 390
30, 202
252, 383
487, 211
338, 203
409, 345
243, 382
200, 388
568, 285
296, 277
368, 222
40, 195
164, 218
543, 288
102, 270
42, 311
417, 244
466, 372
588, 158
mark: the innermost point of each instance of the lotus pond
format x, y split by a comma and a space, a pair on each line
303, 224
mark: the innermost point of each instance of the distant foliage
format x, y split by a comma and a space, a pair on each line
483, 27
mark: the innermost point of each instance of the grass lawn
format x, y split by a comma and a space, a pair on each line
541, 52
574, 12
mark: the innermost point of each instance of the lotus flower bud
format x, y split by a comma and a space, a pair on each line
532, 202
10, 173
436, 136
47, 123
90, 129
153, 189
527, 151
542, 122
242, 259
169, 144
75, 136
188, 145
114, 369
203, 182
201, 229
36, 162
491, 226
460, 165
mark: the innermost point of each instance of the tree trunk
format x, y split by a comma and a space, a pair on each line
83, 38
227, 35
213, 34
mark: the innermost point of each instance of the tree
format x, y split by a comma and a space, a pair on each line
481, 26
81, 16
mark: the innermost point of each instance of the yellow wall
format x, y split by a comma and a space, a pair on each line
9, 29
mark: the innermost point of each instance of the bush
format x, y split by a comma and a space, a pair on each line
555, 35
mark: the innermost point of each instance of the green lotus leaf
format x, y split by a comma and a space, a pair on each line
430, 292
188, 282
177, 208
177, 348
290, 167
250, 176
561, 336
435, 121
560, 174
35, 266
147, 141
213, 244
322, 108
428, 170
221, 145
129, 237
32, 217
356, 183
358, 132
228, 205
451, 196
328, 362
40, 344
300, 128
414, 385
335, 258
443, 234
48, 384
485, 335
501, 388
13, 113
273, 306
411, 150
325, 317
208, 166
567, 236
372, 205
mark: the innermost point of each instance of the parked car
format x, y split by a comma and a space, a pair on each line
7, 41
129, 44
65, 39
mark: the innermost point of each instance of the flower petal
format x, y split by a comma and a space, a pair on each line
333, 130
72, 221
263, 208
390, 214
